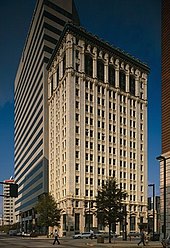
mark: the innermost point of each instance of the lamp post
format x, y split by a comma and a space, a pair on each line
153, 185
160, 158
125, 223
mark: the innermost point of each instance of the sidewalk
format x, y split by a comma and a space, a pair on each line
115, 243
124, 244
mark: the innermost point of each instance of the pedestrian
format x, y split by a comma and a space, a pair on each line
56, 237
142, 237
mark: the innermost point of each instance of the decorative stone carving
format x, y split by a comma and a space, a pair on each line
101, 54
117, 63
89, 48
112, 60
95, 50
122, 65
132, 70
137, 73
144, 76
106, 56
127, 68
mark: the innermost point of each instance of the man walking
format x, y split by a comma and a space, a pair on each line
56, 237
142, 239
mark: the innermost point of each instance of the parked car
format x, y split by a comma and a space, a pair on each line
82, 235
97, 234
106, 234
12, 232
133, 234
26, 234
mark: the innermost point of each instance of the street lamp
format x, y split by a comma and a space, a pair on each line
153, 185
160, 158
125, 223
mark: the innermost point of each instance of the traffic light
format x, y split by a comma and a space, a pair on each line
13, 192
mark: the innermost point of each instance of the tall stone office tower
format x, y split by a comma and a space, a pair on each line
165, 156
31, 110
97, 98
8, 203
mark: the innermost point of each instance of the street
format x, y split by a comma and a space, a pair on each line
26, 242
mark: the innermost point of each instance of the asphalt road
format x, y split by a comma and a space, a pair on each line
27, 242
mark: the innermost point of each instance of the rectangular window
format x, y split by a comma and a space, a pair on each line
77, 80
77, 117
88, 65
64, 64
77, 92
111, 75
77, 142
77, 105
77, 154
77, 191
122, 81
91, 121
77, 179
132, 85
100, 70
77, 166
77, 129
87, 144
91, 157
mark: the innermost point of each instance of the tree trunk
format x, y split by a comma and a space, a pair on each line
109, 232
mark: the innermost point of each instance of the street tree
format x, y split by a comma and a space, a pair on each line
110, 206
47, 211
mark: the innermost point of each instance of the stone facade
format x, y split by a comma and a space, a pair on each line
97, 98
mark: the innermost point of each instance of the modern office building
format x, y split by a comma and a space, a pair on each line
1, 221
97, 98
31, 109
8, 204
165, 154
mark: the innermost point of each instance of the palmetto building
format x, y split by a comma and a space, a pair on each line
97, 98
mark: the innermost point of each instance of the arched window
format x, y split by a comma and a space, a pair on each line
122, 81
132, 85
111, 75
100, 70
88, 65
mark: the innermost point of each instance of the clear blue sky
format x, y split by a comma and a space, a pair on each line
132, 25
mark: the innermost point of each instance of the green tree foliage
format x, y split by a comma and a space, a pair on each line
109, 204
48, 213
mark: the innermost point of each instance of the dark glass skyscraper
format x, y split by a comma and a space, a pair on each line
31, 111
